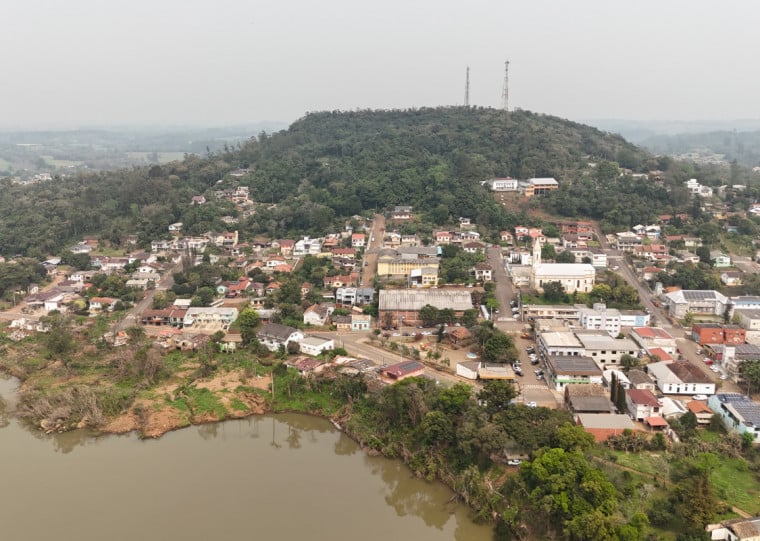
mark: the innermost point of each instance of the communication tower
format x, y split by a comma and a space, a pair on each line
505, 90
467, 88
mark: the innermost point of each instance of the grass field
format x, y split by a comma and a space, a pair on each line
52, 162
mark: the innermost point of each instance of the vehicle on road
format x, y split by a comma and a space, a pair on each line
699, 397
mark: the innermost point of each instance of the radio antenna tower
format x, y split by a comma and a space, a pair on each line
505, 90
467, 88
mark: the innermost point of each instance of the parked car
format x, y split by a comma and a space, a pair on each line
699, 397
514, 462
708, 361
532, 404
723, 377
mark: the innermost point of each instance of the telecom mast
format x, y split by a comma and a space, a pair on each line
505, 90
467, 88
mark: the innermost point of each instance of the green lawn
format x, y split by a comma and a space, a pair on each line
737, 485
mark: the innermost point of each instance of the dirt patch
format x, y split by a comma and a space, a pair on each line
231, 380
159, 422
123, 424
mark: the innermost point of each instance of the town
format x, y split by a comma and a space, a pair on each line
574, 319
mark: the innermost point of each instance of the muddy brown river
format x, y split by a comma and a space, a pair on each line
283, 477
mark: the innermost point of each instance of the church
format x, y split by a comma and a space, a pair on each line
573, 276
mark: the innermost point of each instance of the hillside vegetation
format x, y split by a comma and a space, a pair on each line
325, 166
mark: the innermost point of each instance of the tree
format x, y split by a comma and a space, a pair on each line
565, 257
554, 291
627, 362
499, 348
750, 375
548, 252
496, 396
58, 339
572, 437
247, 320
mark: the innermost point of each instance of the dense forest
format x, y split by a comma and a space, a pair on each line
324, 167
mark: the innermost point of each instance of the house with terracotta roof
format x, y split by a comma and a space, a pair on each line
701, 410
651, 337
98, 304
642, 404
403, 370
358, 240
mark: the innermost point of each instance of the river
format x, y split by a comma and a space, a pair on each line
278, 477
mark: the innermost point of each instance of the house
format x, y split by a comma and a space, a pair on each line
468, 369
286, 247
731, 278
605, 350
210, 317
642, 404
564, 370
719, 259
175, 227
749, 319
627, 241
342, 323
701, 410
442, 237
538, 186
198, 200
459, 335
739, 413
483, 272
231, 342
737, 529
273, 336
317, 314
402, 212
507, 184
589, 398
313, 345
506, 236
361, 322
599, 317
680, 377
98, 304
683, 301
654, 337
307, 366
403, 370
358, 240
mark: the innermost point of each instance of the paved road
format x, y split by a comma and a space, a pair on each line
375, 242
132, 316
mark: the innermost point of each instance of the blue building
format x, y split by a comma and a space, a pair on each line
739, 413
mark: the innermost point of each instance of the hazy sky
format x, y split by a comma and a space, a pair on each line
69, 63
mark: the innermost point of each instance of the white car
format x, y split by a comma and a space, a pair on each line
514, 462
532, 404
699, 397
723, 377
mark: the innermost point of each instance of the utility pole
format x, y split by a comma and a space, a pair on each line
467, 88
505, 89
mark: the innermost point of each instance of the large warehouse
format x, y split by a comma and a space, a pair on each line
404, 304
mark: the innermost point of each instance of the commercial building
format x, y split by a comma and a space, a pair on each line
404, 305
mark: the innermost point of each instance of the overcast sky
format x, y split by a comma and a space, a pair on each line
218, 62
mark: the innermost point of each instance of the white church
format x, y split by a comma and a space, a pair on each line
573, 276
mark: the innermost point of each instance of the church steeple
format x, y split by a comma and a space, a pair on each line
536, 253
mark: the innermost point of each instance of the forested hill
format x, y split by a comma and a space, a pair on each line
325, 166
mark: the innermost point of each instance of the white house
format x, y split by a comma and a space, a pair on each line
274, 335
313, 345
680, 377
503, 184
642, 403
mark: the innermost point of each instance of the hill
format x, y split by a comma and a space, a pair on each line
324, 167
727, 146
